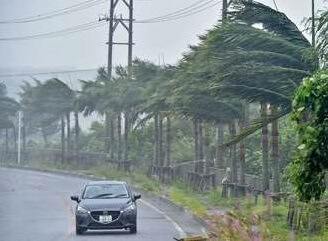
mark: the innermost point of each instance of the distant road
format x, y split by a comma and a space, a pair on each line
35, 206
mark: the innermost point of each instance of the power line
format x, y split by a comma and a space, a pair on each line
56, 13
179, 11
275, 4
193, 9
67, 31
8, 75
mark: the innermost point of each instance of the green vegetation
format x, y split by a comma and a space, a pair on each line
8, 107
185, 197
269, 219
310, 111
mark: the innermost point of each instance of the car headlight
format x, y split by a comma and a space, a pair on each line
81, 210
131, 207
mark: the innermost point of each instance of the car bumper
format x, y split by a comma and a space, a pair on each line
124, 221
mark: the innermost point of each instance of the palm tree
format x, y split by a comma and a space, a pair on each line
193, 99
96, 96
8, 107
154, 104
121, 97
266, 64
35, 119
57, 98
321, 36
53, 101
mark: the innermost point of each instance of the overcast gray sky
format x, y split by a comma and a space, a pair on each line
88, 49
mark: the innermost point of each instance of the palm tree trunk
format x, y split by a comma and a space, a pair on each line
108, 143
68, 121
196, 140
112, 139
77, 135
7, 141
160, 137
119, 137
63, 138
275, 152
126, 136
15, 139
207, 148
242, 153
265, 150
200, 140
201, 147
168, 141
233, 150
44, 136
24, 134
243, 122
156, 145
219, 148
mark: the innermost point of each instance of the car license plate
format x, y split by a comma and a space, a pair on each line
105, 218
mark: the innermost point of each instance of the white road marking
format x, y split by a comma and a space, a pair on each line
176, 226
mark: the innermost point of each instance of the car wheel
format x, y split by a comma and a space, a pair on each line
80, 231
133, 229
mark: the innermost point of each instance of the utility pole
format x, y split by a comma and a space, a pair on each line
114, 22
110, 39
108, 144
130, 73
313, 24
130, 31
225, 9
127, 24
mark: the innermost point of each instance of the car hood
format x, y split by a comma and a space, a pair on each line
111, 204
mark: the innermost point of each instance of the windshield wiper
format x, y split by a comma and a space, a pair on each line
120, 195
102, 195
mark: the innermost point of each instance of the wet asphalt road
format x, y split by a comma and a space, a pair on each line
35, 206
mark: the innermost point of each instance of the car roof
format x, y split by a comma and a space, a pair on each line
105, 182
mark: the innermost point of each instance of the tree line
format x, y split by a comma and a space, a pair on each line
255, 58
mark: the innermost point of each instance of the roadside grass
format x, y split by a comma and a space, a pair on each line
271, 220
186, 197
55, 166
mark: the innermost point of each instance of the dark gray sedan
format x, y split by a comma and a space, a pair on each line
106, 205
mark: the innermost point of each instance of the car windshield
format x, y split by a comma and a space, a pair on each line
103, 191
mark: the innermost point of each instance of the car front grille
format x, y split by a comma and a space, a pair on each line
115, 214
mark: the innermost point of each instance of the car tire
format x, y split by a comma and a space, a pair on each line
80, 231
133, 229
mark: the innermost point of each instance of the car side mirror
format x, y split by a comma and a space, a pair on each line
75, 198
136, 197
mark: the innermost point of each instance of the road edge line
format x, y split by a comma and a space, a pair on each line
175, 224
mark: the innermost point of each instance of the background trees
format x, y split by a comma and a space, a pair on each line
257, 56
48, 105
8, 107
239, 80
